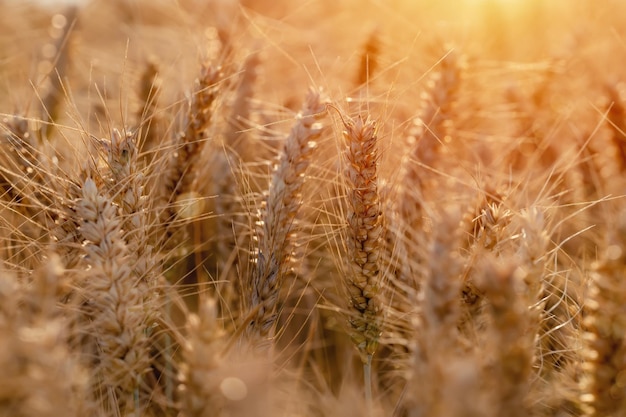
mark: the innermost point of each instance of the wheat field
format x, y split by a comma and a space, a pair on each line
317, 208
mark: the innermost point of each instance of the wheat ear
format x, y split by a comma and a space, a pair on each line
434, 123
149, 90
114, 298
214, 382
61, 31
281, 207
509, 339
202, 356
178, 173
436, 337
364, 234
370, 56
240, 118
128, 184
606, 330
40, 375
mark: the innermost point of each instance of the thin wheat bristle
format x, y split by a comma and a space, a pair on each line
181, 234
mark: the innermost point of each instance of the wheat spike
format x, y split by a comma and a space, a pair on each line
115, 298
364, 239
279, 214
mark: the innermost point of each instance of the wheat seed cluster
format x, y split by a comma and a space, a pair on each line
322, 208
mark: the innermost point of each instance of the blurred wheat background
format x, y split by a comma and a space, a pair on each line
315, 208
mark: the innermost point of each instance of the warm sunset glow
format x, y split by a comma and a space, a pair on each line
312, 208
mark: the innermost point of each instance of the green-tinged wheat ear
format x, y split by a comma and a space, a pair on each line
363, 240
279, 216
115, 299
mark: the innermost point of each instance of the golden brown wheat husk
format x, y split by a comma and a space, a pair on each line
202, 360
178, 175
363, 276
508, 338
433, 126
115, 304
279, 216
605, 344
128, 185
40, 376
52, 101
147, 116
446, 377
